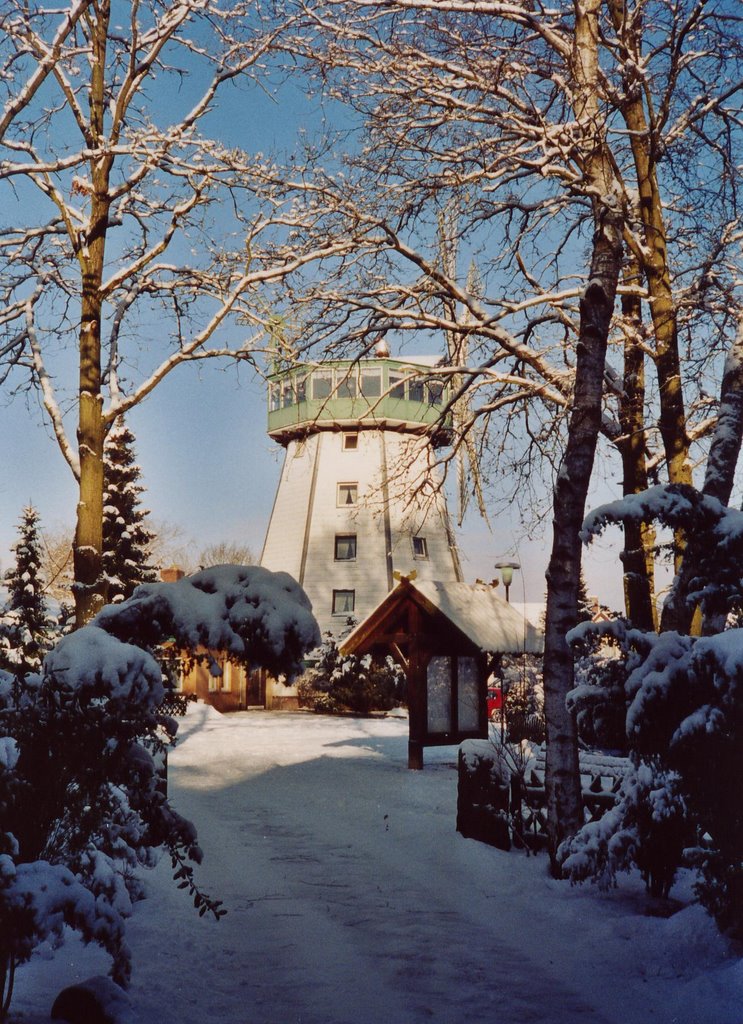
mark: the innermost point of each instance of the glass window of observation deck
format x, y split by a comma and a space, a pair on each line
346, 383
435, 392
397, 385
416, 390
322, 384
371, 383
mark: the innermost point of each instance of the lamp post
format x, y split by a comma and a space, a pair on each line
506, 571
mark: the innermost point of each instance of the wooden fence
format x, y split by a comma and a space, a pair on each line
504, 808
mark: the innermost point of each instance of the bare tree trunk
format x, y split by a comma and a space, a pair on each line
718, 483
563, 573
726, 441
7, 978
672, 418
88, 546
564, 804
639, 538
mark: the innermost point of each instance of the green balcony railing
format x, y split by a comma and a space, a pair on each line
364, 392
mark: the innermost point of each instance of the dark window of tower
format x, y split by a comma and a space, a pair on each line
301, 389
415, 390
350, 442
322, 384
344, 602
274, 397
420, 547
346, 383
397, 387
345, 547
348, 494
371, 383
287, 393
435, 392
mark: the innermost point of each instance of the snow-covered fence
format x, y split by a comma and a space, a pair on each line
483, 795
505, 804
175, 704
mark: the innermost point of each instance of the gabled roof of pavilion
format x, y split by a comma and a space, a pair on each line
487, 621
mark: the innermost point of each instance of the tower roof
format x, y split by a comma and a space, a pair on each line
351, 394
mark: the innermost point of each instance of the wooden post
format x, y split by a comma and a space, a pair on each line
415, 755
416, 692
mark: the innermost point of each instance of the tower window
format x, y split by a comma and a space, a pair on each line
371, 383
287, 394
322, 384
344, 602
348, 494
345, 547
415, 391
350, 442
435, 392
397, 385
420, 547
301, 389
346, 384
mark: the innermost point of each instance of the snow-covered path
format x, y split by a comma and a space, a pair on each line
352, 899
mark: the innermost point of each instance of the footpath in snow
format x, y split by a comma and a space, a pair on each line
352, 900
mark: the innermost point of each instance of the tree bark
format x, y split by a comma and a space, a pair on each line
89, 586
562, 779
643, 142
639, 538
719, 477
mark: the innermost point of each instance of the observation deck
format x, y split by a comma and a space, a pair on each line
357, 394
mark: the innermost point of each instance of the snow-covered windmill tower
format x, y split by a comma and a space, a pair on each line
358, 500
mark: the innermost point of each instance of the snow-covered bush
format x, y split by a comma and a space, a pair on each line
25, 627
82, 806
343, 682
645, 829
598, 699
521, 716
126, 537
684, 719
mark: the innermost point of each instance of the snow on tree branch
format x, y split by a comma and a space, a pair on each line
259, 617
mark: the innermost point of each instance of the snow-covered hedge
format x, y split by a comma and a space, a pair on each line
257, 616
81, 805
684, 722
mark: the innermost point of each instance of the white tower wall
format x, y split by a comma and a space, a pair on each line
356, 503
309, 520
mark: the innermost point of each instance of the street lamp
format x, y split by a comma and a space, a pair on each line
506, 571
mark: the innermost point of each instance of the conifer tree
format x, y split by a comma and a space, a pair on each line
25, 627
125, 535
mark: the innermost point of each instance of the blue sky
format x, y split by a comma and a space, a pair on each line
207, 463
210, 468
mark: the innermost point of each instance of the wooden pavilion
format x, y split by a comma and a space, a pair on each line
445, 636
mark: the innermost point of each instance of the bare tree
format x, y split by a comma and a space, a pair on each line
467, 106
226, 552
131, 236
560, 136
172, 546
56, 565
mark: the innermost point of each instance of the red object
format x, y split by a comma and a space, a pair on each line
495, 701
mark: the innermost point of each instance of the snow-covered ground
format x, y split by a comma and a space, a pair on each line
352, 900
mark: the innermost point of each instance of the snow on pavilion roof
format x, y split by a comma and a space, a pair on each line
488, 621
